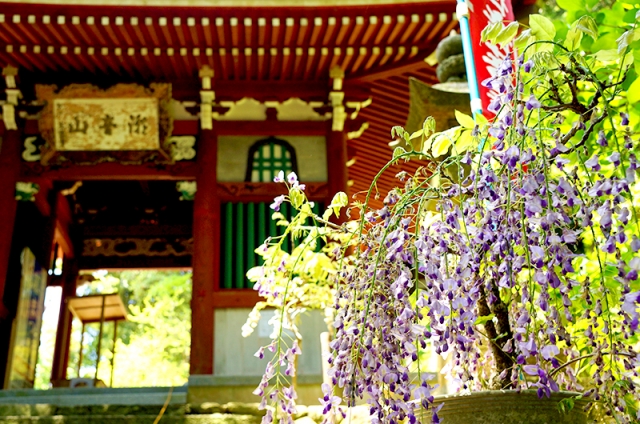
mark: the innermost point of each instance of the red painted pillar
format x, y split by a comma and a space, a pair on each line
65, 320
206, 210
10, 151
337, 162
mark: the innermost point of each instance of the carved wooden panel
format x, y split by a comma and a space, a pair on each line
236, 191
126, 123
138, 247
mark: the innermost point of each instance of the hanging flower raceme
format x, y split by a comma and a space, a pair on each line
514, 255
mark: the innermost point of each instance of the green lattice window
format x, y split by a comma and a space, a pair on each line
244, 227
269, 156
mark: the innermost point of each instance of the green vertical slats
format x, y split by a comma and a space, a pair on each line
272, 225
250, 241
227, 260
272, 159
263, 217
239, 254
286, 211
260, 164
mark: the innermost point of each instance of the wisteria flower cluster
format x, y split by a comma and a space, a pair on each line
518, 242
292, 282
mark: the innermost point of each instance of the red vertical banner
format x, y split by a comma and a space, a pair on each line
487, 56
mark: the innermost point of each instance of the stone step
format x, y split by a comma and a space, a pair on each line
77, 397
177, 409
133, 419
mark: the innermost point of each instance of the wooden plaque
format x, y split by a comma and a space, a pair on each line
127, 123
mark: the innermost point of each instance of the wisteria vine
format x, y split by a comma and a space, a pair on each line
519, 238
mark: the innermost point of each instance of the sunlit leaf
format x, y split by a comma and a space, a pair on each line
542, 28
429, 126
573, 38
443, 141
484, 319
398, 151
633, 94
464, 120
416, 134
464, 141
507, 33
587, 25
524, 39
339, 201
490, 31
607, 55
571, 5
624, 40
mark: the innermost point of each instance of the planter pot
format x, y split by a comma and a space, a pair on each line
507, 407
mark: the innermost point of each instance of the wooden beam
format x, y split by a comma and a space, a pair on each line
10, 159
259, 90
206, 217
267, 128
110, 171
265, 192
238, 298
408, 65
142, 230
120, 263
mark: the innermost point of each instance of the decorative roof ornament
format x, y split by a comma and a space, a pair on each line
12, 95
336, 98
207, 96
182, 147
187, 189
26, 192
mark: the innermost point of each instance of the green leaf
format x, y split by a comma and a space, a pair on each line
523, 40
573, 38
481, 120
426, 147
398, 151
429, 126
484, 319
397, 132
566, 405
636, 60
416, 134
443, 141
624, 40
605, 42
464, 120
340, 200
571, 5
587, 25
490, 31
542, 28
297, 197
633, 94
507, 33
441, 145
464, 141
609, 55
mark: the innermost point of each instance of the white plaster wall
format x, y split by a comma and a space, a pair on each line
311, 153
234, 354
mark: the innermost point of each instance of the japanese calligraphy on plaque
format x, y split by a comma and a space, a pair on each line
106, 124
126, 123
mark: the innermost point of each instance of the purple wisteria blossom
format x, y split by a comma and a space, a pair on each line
520, 267
277, 202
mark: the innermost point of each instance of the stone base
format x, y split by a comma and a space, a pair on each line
211, 388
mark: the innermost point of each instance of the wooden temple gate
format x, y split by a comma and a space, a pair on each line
160, 98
